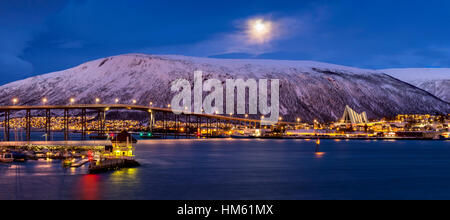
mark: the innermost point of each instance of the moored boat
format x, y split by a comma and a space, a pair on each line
99, 137
238, 136
19, 157
6, 158
123, 137
149, 136
68, 162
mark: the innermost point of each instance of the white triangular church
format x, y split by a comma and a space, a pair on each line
352, 117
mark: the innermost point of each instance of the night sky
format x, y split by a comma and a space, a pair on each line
42, 36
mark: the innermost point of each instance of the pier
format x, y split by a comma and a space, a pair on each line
111, 165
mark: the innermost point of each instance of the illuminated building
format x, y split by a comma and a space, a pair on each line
351, 117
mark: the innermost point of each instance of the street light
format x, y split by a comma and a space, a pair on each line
72, 100
15, 101
134, 101
246, 116
97, 100
169, 105
151, 103
44, 100
117, 101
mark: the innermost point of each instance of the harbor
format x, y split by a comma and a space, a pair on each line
119, 153
246, 169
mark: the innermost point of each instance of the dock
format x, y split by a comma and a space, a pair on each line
111, 165
80, 163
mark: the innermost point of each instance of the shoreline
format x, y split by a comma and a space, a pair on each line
97, 143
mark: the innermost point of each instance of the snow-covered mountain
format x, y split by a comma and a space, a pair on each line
309, 90
436, 81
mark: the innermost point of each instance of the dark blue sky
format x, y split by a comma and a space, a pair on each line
40, 36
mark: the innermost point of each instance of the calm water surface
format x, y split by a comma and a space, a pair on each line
248, 169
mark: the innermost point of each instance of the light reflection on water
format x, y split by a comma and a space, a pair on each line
247, 169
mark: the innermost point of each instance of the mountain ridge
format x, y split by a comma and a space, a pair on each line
433, 80
309, 90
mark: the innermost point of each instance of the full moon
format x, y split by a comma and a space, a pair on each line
259, 30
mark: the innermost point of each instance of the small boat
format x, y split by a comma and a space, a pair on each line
123, 137
149, 136
31, 155
41, 155
6, 158
19, 157
80, 163
68, 162
55, 155
99, 137
240, 136
219, 136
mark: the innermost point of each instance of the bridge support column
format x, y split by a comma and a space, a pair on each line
28, 125
199, 121
176, 127
151, 121
164, 125
7, 125
66, 124
188, 125
101, 122
48, 127
83, 124
208, 127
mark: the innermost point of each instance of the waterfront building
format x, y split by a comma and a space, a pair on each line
122, 146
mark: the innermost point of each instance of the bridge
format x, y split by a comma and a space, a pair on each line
191, 120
